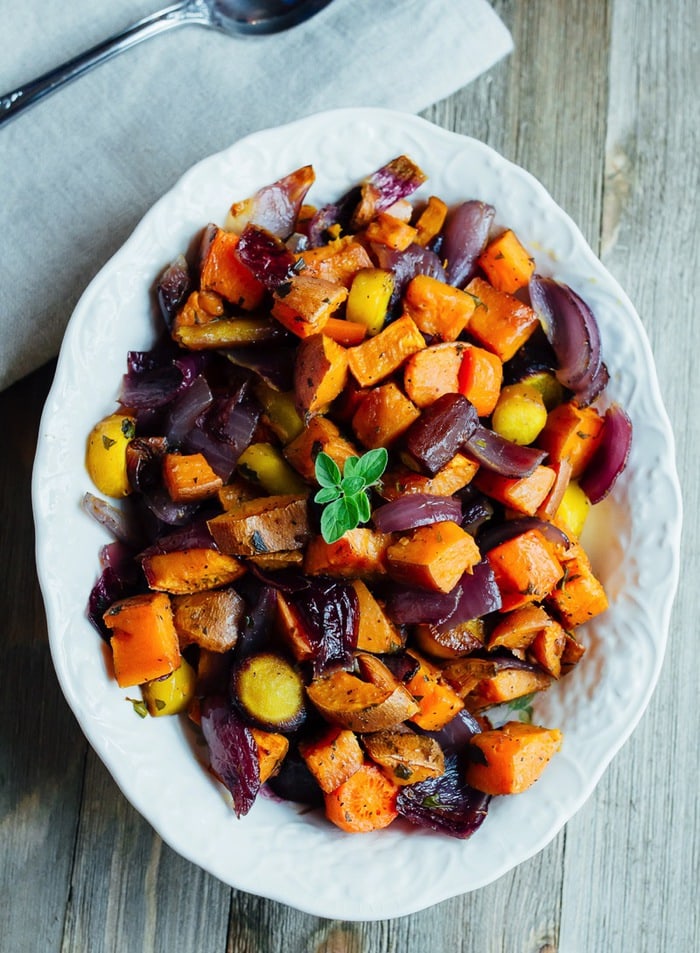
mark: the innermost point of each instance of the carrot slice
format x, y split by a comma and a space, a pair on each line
365, 802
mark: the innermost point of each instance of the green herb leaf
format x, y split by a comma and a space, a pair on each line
363, 508
346, 494
139, 706
327, 494
352, 485
373, 464
334, 521
327, 472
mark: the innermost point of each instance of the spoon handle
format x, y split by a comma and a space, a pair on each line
13, 103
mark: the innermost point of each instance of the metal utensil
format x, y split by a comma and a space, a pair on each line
232, 17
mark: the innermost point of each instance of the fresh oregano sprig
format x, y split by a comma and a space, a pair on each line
345, 495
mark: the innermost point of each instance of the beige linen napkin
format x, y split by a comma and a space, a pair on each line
79, 169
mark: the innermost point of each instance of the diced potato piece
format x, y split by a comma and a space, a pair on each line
267, 525
209, 619
513, 757
454, 476
338, 261
432, 372
320, 373
433, 557
333, 757
379, 356
358, 554
384, 415
501, 323
406, 757
572, 512
438, 309
223, 272
189, 478
375, 631
191, 570
144, 641
304, 304
319, 434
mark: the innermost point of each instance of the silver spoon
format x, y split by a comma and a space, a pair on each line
229, 16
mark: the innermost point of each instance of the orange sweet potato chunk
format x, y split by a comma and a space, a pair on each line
501, 323
383, 416
144, 640
223, 272
433, 557
379, 356
438, 309
512, 757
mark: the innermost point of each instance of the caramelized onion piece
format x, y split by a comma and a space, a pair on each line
610, 457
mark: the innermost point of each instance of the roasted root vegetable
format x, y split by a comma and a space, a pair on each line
269, 692
105, 457
510, 759
365, 802
360, 463
143, 638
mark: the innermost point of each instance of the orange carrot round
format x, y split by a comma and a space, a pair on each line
365, 802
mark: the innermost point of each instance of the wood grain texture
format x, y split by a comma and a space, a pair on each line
599, 102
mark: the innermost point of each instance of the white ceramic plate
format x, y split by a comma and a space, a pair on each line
278, 851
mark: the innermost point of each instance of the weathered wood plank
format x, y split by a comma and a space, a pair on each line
638, 846
42, 750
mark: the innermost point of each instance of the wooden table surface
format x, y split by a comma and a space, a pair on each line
600, 102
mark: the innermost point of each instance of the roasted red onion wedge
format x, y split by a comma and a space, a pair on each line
275, 206
233, 753
610, 457
464, 238
268, 258
572, 330
173, 287
416, 509
445, 803
500, 455
477, 595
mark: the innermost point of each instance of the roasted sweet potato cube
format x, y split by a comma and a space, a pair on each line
332, 757
406, 757
464, 674
433, 557
579, 596
572, 433
525, 568
437, 701
454, 476
506, 685
379, 356
320, 373
511, 758
144, 641
430, 221
385, 229
223, 272
432, 372
525, 495
375, 631
272, 750
191, 570
209, 619
518, 629
292, 630
383, 416
438, 309
501, 323
188, 477
450, 643
548, 647
304, 304
338, 261
319, 434
506, 263
268, 524
348, 701
358, 554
